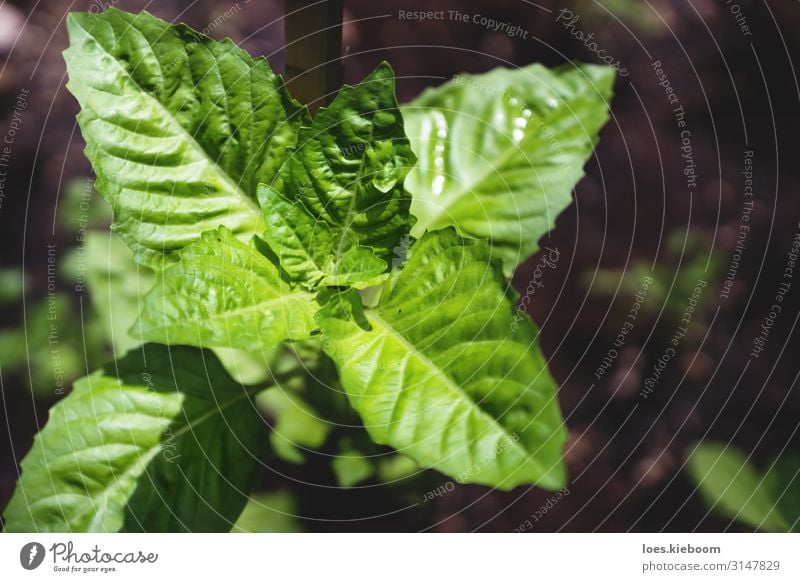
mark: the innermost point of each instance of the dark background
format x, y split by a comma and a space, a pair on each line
631, 212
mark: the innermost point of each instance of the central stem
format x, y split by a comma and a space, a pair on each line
313, 31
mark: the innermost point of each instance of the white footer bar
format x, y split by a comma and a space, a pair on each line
401, 557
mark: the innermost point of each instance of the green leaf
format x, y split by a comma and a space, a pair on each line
52, 347
145, 445
225, 293
731, 486
273, 512
350, 467
12, 286
80, 208
116, 285
297, 426
444, 372
338, 209
396, 468
499, 153
180, 129
783, 482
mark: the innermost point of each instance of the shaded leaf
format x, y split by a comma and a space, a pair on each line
731, 486
145, 445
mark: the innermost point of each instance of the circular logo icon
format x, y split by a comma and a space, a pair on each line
31, 555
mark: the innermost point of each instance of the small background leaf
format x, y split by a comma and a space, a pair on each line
731, 486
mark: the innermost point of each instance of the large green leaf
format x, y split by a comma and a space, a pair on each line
225, 293
180, 129
442, 371
499, 153
338, 209
146, 445
731, 486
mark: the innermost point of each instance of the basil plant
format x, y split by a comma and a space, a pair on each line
362, 255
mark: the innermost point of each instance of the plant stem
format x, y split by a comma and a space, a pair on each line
313, 31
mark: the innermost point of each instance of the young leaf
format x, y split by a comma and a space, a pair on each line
180, 129
731, 486
338, 208
146, 445
441, 371
499, 153
225, 293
